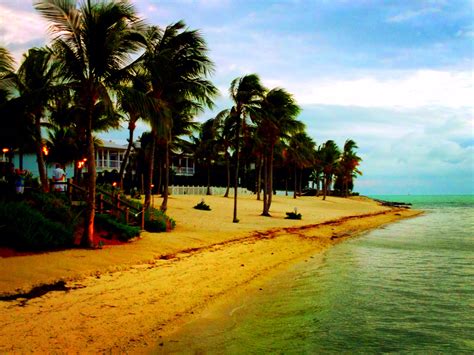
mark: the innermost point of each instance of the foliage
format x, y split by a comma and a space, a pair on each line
135, 194
38, 233
155, 220
123, 231
202, 206
54, 206
158, 221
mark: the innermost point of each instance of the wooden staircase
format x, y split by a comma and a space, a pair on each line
106, 202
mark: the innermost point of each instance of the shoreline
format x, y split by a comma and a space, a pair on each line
131, 307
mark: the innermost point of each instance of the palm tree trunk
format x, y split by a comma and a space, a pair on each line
237, 161
208, 192
131, 128
294, 189
270, 180
88, 239
265, 186
259, 177
160, 175
325, 182
40, 156
164, 204
151, 166
227, 163
286, 181
300, 182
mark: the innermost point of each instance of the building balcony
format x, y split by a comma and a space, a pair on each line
183, 170
108, 164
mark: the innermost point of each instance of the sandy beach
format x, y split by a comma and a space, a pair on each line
127, 297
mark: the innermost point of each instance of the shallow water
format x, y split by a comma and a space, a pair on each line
408, 287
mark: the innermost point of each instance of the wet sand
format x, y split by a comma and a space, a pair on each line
124, 298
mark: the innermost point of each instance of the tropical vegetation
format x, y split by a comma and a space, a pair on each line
105, 67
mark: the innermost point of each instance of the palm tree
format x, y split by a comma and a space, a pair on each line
205, 147
6, 70
176, 63
94, 42
276, 120
315, 175
134, 101
36, 82
329, 155
64, 145
246, 93
301, 154
225, 124
9, 138
348, 166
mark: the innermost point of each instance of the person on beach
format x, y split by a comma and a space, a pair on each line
19, 181
59, 177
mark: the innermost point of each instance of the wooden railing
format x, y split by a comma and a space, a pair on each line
119, 207
116, 206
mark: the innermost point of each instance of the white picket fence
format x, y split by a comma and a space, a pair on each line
202, 190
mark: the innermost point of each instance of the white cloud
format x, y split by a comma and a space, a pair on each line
20, 28
411, 15
467, 31
414, 89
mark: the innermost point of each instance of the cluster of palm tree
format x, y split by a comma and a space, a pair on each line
263, 128
105, 66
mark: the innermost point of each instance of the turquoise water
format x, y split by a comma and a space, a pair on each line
408, 287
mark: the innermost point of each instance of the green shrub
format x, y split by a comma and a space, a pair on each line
123, 231
202, 206
24, 228
54, 206
157, 221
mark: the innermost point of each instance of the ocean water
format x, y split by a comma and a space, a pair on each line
404, 288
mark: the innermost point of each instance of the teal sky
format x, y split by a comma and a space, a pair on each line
395, 76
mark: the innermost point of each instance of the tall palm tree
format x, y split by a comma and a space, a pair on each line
246, 93
36, 82
7, 65
64, 145
8, 137
94, 42
276, 120
301, 153
329, 155
205, 147
348, 166
134, 101
225, 125
177, 64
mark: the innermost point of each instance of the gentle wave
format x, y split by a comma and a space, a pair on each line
407, 287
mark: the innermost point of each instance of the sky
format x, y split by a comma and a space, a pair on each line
395, 76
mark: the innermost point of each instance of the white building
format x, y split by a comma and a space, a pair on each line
109, 156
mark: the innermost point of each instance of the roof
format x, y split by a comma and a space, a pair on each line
112, 145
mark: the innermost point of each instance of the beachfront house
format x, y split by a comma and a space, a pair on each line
109, 157
183, 165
